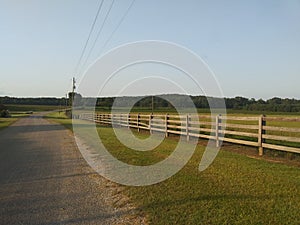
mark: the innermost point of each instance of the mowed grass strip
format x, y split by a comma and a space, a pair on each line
19, 111
5, 122
235, 189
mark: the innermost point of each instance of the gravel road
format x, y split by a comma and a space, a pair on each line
44, 180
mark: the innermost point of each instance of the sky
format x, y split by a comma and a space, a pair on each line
252, 47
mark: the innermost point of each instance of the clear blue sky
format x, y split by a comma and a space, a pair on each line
253, 47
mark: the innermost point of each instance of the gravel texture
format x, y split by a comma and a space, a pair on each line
45, 180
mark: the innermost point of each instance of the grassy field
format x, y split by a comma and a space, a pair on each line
5, 122
204, 111
286, 124
34, 108
61, 118
235, 189
241, 113
18, 111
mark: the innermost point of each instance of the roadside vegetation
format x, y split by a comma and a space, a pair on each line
14, 112
235, 189
32, 108
60, 117
5, 122
144, 103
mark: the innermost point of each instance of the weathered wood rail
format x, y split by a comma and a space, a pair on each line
277, 133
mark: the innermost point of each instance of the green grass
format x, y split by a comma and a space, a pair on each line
243, 112
18, 111
61, 118
5, 122
240, 113
235, 189
200, 110
35, 108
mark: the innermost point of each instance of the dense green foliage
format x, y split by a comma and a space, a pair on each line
273, 105
4, 111
32, 101
201, 102
32, 108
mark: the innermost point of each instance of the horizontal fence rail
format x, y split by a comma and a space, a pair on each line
278, 133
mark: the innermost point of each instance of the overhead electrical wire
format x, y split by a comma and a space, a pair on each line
117, 27
88, 38
98, 35
99, 32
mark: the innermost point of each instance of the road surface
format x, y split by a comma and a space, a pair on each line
44, 179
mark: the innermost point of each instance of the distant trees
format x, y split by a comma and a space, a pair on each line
275, 105
32, 101
75, 98
2, 107
4, 111
105, 102
241, 103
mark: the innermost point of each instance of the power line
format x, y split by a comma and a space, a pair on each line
98, 34
89, 36
117, 27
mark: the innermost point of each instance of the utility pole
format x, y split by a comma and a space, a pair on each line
73, 86
73, 91
152, 104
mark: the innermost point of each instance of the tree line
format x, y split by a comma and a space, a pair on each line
239, 103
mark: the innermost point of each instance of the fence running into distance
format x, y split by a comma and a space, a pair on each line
277, 133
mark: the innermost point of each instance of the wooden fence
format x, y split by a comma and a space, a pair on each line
276, 133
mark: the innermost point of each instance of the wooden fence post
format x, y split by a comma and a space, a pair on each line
138, 122
217, 130
128, 120
261, 132
166, 125
187, 127
150, 121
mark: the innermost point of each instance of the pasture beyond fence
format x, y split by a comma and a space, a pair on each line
277, 133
